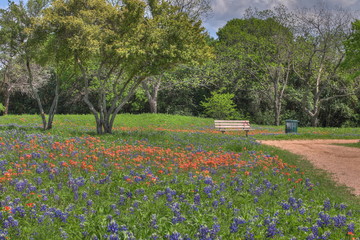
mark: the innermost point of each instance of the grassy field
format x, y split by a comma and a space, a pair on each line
165, 177
356, 145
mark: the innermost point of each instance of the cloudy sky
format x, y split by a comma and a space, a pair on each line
225, 10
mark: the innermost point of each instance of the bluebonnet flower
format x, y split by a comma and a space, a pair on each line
315, 230
260, 210
39, 170
271, 230
339, 221
40, 218
203, 232
169, 197
249, 235
208, 180
153, 222
285, 206
114, 237
302, 211
178, 219
208, 190
64, 234
311, 237
113, 227
234, 228
325, 220
327, 205
122, 200
20, 185
84, 195
51, 190
89, 203
174, 236
123, 228
197, 199
351, 227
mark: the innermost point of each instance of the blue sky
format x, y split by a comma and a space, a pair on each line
225, 10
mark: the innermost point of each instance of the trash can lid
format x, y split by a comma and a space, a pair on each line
291, 120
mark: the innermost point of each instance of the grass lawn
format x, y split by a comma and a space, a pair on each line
165, 177
356, 145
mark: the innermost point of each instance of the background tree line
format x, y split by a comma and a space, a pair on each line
105, 57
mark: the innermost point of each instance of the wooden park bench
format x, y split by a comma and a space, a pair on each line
233, 125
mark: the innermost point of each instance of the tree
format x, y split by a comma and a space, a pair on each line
196, 10
262, 45
321, 33
17, 46
115, 47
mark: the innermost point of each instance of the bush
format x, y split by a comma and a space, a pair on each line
220, 106
2, 108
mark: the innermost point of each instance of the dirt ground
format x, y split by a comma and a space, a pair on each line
342, 162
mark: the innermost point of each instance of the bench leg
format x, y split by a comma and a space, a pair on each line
247, 133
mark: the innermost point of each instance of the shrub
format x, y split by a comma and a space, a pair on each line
2, 108
220, 106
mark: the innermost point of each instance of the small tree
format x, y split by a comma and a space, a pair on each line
220, 106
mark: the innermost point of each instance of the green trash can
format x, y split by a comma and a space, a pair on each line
291, 126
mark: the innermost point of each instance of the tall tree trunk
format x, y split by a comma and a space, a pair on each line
277, 112
152, 94
54, 105
7, 92
35, 93
7, 100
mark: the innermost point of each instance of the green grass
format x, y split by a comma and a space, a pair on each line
354, 145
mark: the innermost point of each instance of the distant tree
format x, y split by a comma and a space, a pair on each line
196, 10
262, 46
321, 33
115, 47
17, 53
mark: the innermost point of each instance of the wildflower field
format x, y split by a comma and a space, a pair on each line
163, 177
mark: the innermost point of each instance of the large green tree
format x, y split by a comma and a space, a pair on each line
116, 46
262, 45
196, 10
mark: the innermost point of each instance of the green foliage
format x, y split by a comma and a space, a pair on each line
2, 108
220, 106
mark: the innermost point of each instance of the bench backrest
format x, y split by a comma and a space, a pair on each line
232, 124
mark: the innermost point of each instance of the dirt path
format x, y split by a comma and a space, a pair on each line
343, 162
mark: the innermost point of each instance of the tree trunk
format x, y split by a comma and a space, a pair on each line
152, 94
277, 112
314, 120
153, 105
7, 101
36, 95
54, 105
